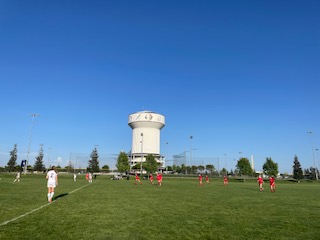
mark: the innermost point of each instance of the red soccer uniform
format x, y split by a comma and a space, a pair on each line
260, 180
200, 178
159, 178
151, 177
272, 181
207, 178
137, 177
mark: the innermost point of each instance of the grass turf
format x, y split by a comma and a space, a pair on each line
180, 209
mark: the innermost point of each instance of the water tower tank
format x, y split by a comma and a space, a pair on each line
146, 126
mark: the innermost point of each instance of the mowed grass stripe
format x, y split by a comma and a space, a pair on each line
45, 205
180, 209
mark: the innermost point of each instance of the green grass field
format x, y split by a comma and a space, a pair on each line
180, 209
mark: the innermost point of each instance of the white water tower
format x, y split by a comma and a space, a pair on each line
146, 126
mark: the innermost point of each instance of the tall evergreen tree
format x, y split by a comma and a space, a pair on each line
93, 165
38, 165
270, 167
297, 170
123, 162
11, 165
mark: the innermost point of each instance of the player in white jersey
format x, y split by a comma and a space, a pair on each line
52, 178
17, 177
90, 178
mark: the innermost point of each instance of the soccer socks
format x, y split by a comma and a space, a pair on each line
50, 196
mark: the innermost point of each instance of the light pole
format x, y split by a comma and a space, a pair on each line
191, 137
314, 161
49, 150
141, 153
165, 159
225, 162
33, 115
317, 149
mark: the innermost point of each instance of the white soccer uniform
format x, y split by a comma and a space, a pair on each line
51, 176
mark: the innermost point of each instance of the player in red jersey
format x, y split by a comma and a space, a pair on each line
207, 179
200, 180
159, 179
272, 182
225, 180
260, 182
151, 178
87, 176
137, 179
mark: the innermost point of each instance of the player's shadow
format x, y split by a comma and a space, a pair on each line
60, 196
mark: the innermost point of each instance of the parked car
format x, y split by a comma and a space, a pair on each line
116, 177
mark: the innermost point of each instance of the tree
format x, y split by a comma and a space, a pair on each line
244, 167
105, 168
210, 168
11, 165
297, 170
201, 168
270, 167
169, 168
174, 167
183, 168
123, 162
38, 165
312, 173
150, 165
194, 169
224, 172
93, 165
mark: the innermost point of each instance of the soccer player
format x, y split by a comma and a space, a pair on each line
151, 178
52, 182
87, 176
90, 178
137, 179
260, 182
74, 177
200, 180
272, 184
159, 179
225, 180
207, 179
17, 177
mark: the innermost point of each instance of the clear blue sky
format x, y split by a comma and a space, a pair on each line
239, 76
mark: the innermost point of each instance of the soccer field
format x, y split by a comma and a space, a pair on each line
180, 209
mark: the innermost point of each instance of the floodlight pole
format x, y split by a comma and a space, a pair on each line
33, 115
317, 149
191, 137
314, 161
165, 159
